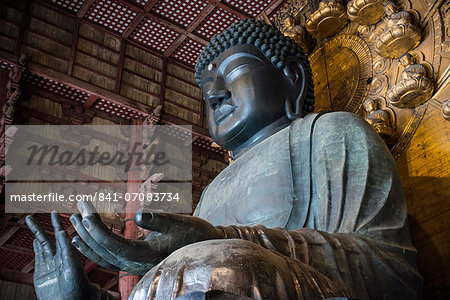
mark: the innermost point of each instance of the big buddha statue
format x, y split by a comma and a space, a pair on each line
311, 208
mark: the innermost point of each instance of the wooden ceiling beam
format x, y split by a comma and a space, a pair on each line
16, 276
23, 25
28, 267
85, 8
73, 47
137, 20
271, 7
90, 101
182, 37
164, 22
18, 249
9, 233
133, 25
120, 67
177, 28
201, 16
110, 284
163, 82
89, 266
175, 44
235, 12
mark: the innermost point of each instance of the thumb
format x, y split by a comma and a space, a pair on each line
175, 224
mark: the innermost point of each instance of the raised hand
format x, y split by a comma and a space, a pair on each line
57, 272
171, 232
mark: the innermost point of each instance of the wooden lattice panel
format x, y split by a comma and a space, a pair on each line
22, 238
154, 35
180, 12
250, 7
72, 5
13, 260
217, 21
112, 15
117, 110
188, 52
5, 65
206, 144
56, 87
140, 2
175, 132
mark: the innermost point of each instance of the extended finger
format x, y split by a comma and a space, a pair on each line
162, 222
133, 250
56, 222
38, 256
173, 223
41, 236
91, 254
86, 208
68, 255
92, 244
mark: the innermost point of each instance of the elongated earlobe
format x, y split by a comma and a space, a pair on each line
296, 71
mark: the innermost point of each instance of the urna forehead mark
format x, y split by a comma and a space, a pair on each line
212, 69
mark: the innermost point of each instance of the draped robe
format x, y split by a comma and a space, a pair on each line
314, 211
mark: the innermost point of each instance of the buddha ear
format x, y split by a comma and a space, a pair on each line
295, 71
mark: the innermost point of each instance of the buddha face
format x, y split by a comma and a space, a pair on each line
369, 105
244, 92
406, 60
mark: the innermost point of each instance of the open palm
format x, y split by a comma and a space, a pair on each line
58, 273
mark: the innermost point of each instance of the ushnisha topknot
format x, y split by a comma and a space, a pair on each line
275, 46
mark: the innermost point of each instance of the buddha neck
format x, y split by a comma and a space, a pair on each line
260, 136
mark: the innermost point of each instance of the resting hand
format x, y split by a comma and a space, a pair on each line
171, 232
57, 272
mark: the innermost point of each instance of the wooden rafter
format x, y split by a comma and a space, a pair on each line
271, 7
120, 67
85, 8
233, 11
110, 284
201, 16
16, 276
163, 82
138, 19
23, 26
9, 233
73, 47
89, 266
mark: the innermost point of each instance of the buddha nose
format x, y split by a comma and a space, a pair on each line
217, 97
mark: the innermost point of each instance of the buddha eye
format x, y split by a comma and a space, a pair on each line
237, 71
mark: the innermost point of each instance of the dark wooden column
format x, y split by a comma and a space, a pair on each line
126, 280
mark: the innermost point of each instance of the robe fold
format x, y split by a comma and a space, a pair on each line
314, 211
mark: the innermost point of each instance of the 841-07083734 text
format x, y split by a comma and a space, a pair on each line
110, 197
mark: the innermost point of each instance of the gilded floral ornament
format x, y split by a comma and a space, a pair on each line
327, 20
414, 87
365, 12
399, 35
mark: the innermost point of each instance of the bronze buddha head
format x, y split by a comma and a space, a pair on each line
406, 59
254, 80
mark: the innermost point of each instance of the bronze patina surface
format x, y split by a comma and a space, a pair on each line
311, 208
